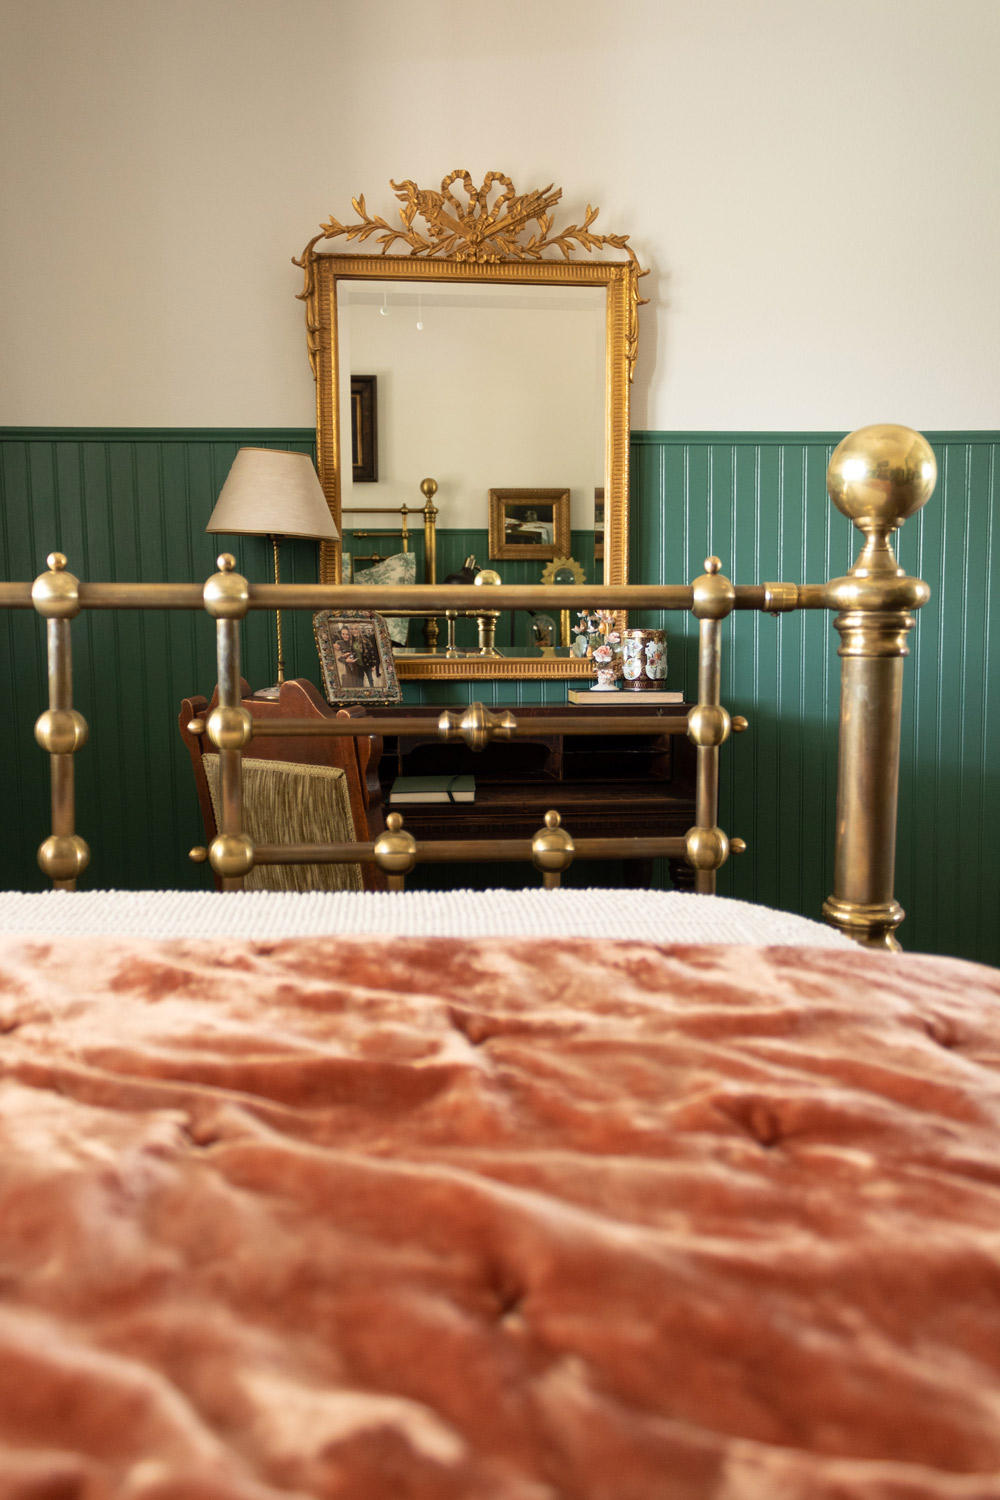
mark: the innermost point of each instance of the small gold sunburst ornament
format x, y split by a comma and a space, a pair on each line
563, 570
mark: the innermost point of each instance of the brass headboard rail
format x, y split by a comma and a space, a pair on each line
878, 477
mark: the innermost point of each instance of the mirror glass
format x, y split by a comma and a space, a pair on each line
480, 387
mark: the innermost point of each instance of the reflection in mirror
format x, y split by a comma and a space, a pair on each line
499, 392
561, 571
501, 388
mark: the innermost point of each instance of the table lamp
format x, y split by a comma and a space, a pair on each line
270, 492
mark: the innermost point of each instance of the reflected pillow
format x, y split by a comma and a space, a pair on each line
401, 568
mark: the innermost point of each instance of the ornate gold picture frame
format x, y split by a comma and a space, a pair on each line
355, 657
529, 523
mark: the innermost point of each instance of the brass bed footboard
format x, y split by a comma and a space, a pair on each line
877, 477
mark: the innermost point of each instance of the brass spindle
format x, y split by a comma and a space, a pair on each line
428, 488
709, 726
229, 725
61, 731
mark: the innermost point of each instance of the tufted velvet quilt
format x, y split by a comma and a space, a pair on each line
497, 1220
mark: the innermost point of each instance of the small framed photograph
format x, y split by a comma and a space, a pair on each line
364, 429
529, 523
355, 657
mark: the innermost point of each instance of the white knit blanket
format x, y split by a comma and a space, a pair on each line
648, 916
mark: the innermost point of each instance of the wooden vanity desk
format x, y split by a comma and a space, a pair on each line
602, 786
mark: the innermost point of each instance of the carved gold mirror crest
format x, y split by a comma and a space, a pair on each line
477, 248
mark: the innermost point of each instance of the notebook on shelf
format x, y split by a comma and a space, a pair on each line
595, 699
433, 789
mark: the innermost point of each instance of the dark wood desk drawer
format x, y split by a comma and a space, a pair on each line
602, 786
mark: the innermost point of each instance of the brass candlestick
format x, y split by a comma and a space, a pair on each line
487, 621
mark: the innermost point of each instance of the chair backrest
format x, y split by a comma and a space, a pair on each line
286, 802
357, 757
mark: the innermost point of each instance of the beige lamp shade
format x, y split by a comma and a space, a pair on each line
269, 492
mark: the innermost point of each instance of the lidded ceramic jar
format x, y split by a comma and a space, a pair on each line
644, 660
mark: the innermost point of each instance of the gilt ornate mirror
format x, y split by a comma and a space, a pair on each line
502, 347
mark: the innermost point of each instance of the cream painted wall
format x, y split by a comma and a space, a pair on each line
812, 185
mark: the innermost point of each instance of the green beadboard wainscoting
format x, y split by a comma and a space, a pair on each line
132, 504
126, 504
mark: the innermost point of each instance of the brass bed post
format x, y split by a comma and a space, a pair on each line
709, 726
229, 725
878, 476
61, 730
428, 488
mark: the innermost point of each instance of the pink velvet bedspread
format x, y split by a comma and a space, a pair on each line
425, 1220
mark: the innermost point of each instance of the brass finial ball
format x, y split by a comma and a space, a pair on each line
226, 594
878, 476
552, 848
395, 849
428, 488
63, 856
56, 594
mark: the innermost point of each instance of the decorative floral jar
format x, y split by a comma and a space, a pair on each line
644, 660
607, 664
597, 638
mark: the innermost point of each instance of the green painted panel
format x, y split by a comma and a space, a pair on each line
131, 503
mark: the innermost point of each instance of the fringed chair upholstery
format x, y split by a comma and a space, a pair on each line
293, 804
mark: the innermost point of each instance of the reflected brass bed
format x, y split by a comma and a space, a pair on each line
878, 477
428, 511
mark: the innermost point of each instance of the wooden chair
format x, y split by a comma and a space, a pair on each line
356, 757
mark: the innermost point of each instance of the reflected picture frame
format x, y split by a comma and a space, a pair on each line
529, 523
364, 429
355, 657
599, 524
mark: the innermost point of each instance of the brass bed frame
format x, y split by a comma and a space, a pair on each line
878, 477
